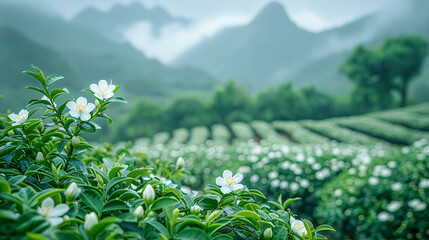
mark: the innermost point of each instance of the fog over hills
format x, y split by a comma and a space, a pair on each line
272, 49
82, 56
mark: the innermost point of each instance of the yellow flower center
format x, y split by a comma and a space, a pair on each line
102, 89
80, 108
19, 116
45, 210
298, 226
230, 181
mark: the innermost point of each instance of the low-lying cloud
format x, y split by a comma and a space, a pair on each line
175, 38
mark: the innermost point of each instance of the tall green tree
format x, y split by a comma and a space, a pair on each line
231, 102
404, 57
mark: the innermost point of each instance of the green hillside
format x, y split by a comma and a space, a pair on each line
84, 57
280, 50
397, 127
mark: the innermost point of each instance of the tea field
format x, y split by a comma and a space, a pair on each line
350, 172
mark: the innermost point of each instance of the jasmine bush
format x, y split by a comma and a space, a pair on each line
55, 185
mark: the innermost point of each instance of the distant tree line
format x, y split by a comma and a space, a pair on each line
376, 73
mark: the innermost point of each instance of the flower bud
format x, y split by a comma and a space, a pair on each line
66, 218
99, 180
75, 141
268, 234
139, 212
180, 163
10, 133
39, 157
72, 192
151, 214
195, 210
97, 104
90, 220
40, 126
176, 213
149, 194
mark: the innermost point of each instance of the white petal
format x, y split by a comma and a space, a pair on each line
220, 181
48, 202
237, 186
238, 177
227, 174
94, 88
225, 189
71, 105
13, 116
108, 95
59, 210
102, 83
85, 116
55, 221
111, 88
82, 100
23, 112
97, 94
89, 107
74, 113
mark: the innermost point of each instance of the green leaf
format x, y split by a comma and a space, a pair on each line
92, 199
42, 195
161, 228
105, 222
289, 201
309, 227
208, 203
136, 173
38, 76
276, 204
115, 205
324, 227
192, 234
6, 150
117, 99
163, 202
248, 214
6, 214
115, 181
88, 127
53, 78
36, 89
257, 193
61, 145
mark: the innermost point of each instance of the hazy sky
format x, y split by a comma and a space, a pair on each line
212, 15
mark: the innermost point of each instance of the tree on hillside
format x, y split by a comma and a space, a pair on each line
366, 69
404, 56
281, 103
231, 102
384, 69
187, 112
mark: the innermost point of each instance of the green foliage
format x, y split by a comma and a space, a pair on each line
379, 71
54, 185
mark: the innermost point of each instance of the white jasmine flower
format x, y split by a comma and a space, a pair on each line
51, 212
103, 90
298, 226
20, 118
383, 216
338, 192
424, 183
81, 109
294, 186
304, 183
393, 206
396, 186
229, 183
273, 175
417, 205
254, 178
373, 180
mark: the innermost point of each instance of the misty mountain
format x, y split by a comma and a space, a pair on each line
120, 17
82, 56
272, 48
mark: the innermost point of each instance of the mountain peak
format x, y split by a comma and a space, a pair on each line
273, 12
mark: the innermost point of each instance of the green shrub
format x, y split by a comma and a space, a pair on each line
54, 185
